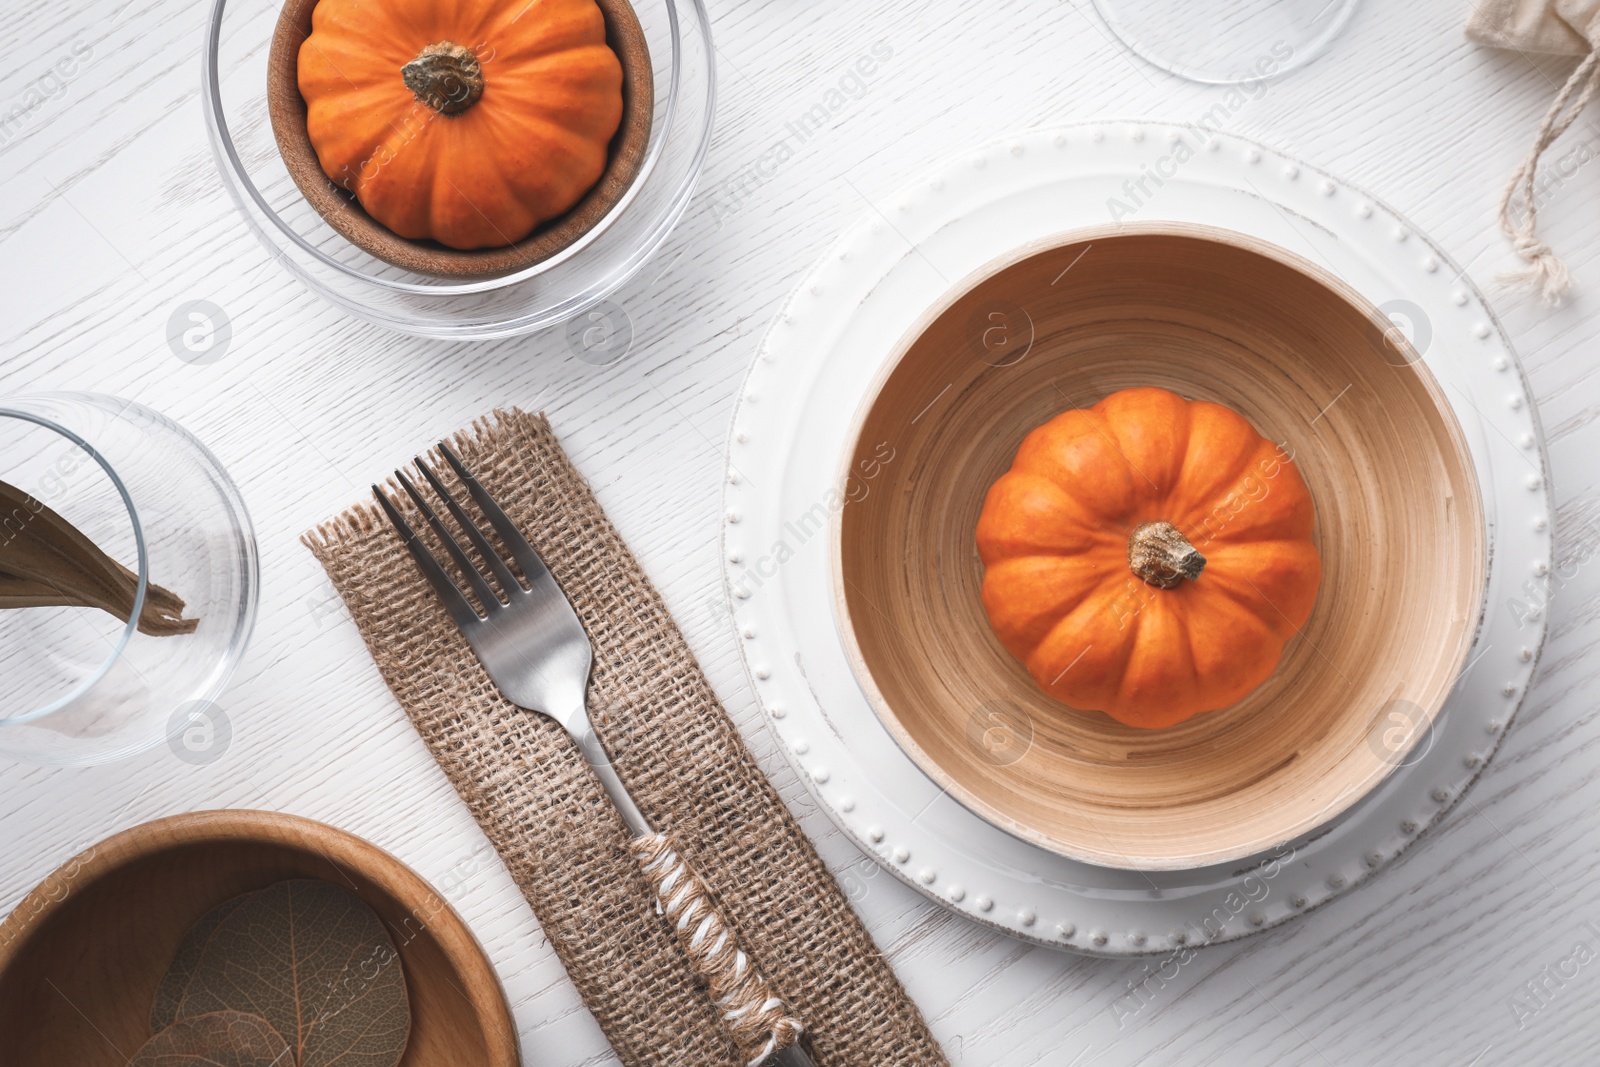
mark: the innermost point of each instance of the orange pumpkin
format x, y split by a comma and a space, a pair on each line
468, 122
1148, 557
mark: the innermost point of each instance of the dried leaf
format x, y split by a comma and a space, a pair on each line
220, 1039
170, 993
316, 963
45, 561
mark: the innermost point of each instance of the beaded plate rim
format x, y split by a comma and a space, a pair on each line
1041, 901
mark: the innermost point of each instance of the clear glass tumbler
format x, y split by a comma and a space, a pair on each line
77, 684
1226, 42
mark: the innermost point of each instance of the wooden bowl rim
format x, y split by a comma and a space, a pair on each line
953, 294
341, 848
625, 161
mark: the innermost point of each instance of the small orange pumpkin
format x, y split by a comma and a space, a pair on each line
469, 122
1148, 557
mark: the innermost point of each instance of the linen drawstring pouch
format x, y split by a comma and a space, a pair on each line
1550, 27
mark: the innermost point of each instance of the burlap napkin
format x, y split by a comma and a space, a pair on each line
673, 745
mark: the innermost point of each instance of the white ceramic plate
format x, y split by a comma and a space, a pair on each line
790, 428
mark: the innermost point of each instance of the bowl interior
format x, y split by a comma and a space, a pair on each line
344, 213
1209, 315
81, 957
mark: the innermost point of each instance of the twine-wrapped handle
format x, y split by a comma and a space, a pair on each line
757, 1017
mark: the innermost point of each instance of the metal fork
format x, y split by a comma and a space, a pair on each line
534, 648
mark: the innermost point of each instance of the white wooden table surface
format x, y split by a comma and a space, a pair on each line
111, 215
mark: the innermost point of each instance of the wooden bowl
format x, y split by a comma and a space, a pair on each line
340, 209
82, 955
1210, 315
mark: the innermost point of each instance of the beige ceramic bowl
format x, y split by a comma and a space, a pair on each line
82, 955
1210, 315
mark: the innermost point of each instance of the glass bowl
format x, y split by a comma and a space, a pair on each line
234, 96
81, 685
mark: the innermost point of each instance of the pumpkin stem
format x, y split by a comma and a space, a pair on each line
1161, 555
446, 77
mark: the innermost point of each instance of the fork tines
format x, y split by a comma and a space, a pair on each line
522, 553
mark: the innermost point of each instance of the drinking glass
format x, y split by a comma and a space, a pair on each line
1226, 42
77, 684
